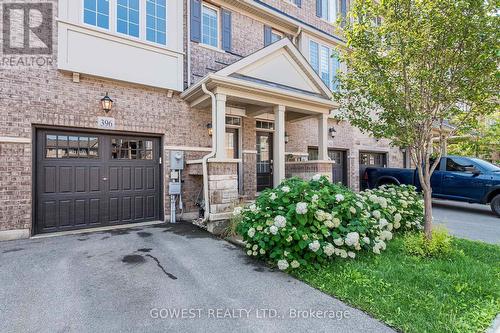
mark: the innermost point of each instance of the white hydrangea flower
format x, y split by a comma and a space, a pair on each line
301, 208
376, 214
253, 208
249, 252
338, 241
259, 228
359, 204
273, 196
352, 239
329, 224
295, 264
366, 240
351, 254
385, 235
390, 226
397, 217
248, 246
315, 198
383, 223
237, 211
397, 225
376, 249
282, 264
314, 246
255, 247
285, 189
329, 249
273, 229
289, 239
254, 253
316, 177
343, 253
336, 222
280, 221
262, 251
382, 202
403, 203
352, 210
251, 232
373, 198
285, 253
339, 197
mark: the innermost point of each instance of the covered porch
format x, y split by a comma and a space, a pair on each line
251, 101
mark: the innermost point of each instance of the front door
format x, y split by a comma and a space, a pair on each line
339, 174
264, 160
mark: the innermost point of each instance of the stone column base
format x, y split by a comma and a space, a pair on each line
307, 169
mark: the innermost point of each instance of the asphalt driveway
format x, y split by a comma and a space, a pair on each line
141, 279
470, 221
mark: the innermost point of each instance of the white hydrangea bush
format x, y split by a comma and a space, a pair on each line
304, 223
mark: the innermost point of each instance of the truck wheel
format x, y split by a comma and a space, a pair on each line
495, 205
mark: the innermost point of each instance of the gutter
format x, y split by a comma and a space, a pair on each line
205, 158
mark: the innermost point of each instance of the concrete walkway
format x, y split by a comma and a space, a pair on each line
140, 279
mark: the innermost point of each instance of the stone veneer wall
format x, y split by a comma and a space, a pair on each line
222, 186
306, 170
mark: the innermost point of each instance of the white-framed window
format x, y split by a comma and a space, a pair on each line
96, 13
156, 21
330, 10
276, 36
146, 20
325, 62
209, 25
127, 17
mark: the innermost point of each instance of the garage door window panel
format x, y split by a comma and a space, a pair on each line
64, 146
125, 149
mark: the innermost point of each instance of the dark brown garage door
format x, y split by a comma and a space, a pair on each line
90, 180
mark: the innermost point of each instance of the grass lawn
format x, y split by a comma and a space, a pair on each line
460, 293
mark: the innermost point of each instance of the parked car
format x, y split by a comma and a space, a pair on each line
455, 178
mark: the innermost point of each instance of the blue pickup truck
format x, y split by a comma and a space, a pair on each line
455, 178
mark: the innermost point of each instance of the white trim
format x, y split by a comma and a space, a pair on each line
12, 139
249, 151
187, 148
311, 162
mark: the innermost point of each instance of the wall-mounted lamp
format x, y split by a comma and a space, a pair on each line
287, 137
210, 129
332, 132
106, 103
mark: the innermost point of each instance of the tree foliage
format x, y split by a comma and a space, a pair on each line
414, 66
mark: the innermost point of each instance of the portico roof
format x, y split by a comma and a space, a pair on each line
275, 75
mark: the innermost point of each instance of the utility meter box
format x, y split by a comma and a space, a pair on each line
174, 188
177, 160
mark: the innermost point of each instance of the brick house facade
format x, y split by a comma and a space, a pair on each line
150, 88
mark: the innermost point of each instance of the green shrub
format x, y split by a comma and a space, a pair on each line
440, 244
311, 222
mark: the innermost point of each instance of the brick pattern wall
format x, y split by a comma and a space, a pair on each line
307, 170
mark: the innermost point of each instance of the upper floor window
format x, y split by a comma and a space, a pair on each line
210, 26
127, 17
156, 21
331, 10
325, 62
96, 13
143, 19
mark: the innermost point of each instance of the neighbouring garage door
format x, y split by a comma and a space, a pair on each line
88, 180
370, 159
339, 167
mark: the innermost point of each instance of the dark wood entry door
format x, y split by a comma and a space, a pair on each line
370, 159
264, 160
88, 180
339, 170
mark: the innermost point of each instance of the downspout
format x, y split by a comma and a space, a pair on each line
205, 158
188, 42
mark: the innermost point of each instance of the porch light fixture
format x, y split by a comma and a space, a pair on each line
287, 138
332, 132
106, 103
210, 129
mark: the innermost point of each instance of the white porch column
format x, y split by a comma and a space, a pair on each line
279, 145
220, 126
323, 137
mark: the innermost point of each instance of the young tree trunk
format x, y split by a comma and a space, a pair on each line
427, 212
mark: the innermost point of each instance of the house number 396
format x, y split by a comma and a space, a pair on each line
106, 122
